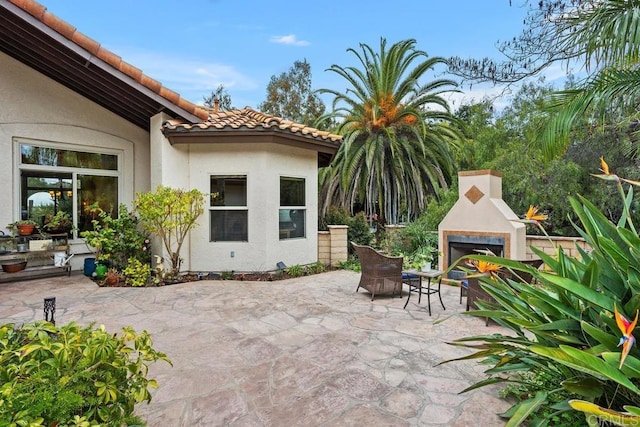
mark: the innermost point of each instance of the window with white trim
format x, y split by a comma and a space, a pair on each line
293, 211
59, 177
228, 211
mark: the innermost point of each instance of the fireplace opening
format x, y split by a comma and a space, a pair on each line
461, 246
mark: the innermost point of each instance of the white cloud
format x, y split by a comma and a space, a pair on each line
499, 95
192, 79
289, 39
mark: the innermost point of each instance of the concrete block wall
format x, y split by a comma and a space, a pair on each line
339, 249
550, 244
324, 247
332, 245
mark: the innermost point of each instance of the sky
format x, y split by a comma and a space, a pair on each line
193, 46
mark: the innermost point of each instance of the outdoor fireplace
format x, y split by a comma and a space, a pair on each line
480, 220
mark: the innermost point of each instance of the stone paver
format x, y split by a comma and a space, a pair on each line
301, 352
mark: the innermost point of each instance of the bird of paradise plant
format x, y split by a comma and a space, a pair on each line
484, 268
626, 327
607, 175
569, 325
534, 217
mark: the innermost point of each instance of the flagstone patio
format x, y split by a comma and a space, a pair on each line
300, 352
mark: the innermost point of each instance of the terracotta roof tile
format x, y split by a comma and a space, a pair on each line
71, 33
31, 7
108, 57
85, 42
62, 27
133, 72
251, 119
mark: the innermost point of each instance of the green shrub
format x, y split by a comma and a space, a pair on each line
136, 273
316, 268
334, 216
351, 263
359, 230
529, 383
436, 209
295, 270
118, 239
415, 243
69, 374
564, 326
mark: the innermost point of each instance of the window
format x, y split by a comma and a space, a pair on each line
54, 178
292, 208
228, 208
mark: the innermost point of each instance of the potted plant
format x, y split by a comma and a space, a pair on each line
61, 222
23, 227
15, 265
425, 258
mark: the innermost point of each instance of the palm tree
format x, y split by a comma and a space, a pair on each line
607, 34
395, 149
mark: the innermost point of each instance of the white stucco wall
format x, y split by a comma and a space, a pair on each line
263, 164
36, 108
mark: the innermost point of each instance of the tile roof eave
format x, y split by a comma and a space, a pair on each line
94, 53
249, 120
175, 133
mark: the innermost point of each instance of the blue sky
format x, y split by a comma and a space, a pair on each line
193, 46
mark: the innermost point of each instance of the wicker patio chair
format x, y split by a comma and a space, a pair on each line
381, 274
475, 291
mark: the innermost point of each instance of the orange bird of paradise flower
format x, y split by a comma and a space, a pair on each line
627, 340
486, 267
606, 173
608, 176
604, 167
533, 215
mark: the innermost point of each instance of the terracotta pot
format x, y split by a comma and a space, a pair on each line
26, 229
14, 266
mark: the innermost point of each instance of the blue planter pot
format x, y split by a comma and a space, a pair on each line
89, 266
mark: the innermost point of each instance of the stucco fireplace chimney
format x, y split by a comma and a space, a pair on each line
480, 220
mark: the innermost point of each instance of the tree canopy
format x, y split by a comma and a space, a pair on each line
503, 141
600, 37
223, 97
290, 96
543, 42
397, 133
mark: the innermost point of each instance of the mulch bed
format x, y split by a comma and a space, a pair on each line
267, 276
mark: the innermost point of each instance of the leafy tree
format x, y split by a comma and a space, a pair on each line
223, 97
397, 133
170, 213
599, 36
437, 209
541, 43
289, 96
606, 33
506, 143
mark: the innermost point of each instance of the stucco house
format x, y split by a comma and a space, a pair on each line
78, 125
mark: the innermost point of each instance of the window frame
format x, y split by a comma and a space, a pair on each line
227, 208
285, 234
75, 172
